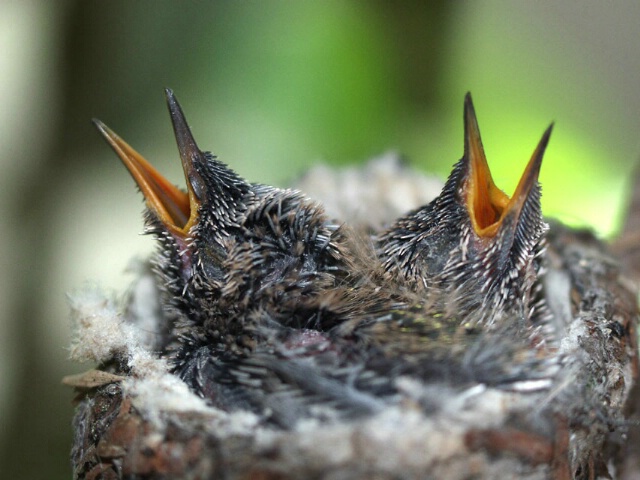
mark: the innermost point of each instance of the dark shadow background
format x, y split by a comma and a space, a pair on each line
271, 87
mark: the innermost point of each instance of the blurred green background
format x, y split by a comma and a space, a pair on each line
272, 87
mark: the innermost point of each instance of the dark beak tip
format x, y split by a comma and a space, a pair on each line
547, 133
467, 99
471, 129
104, 131
180, 126
169, 95
470, 118
188, 149
544, 141
469, 110
99, 125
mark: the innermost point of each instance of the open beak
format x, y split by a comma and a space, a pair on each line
175, 209
486, 204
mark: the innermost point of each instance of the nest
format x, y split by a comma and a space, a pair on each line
136, 419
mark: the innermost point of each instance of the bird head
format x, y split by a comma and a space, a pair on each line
230, 250
478, 248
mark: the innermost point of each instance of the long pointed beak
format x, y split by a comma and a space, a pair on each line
190, 156
529, 178
486, 204
485, 201
168, 202
173, 207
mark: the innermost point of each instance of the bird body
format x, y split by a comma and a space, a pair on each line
455, 314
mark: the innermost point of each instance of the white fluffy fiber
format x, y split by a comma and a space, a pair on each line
101, 331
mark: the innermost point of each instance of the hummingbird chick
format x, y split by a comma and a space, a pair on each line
478, 249
235, 260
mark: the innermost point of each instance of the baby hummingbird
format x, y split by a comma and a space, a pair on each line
473, 244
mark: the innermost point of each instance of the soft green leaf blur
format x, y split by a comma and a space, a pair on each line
272, 87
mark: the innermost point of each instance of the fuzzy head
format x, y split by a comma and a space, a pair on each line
473, 246
230, 251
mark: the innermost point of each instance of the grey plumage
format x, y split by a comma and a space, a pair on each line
441, 247
271, 307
